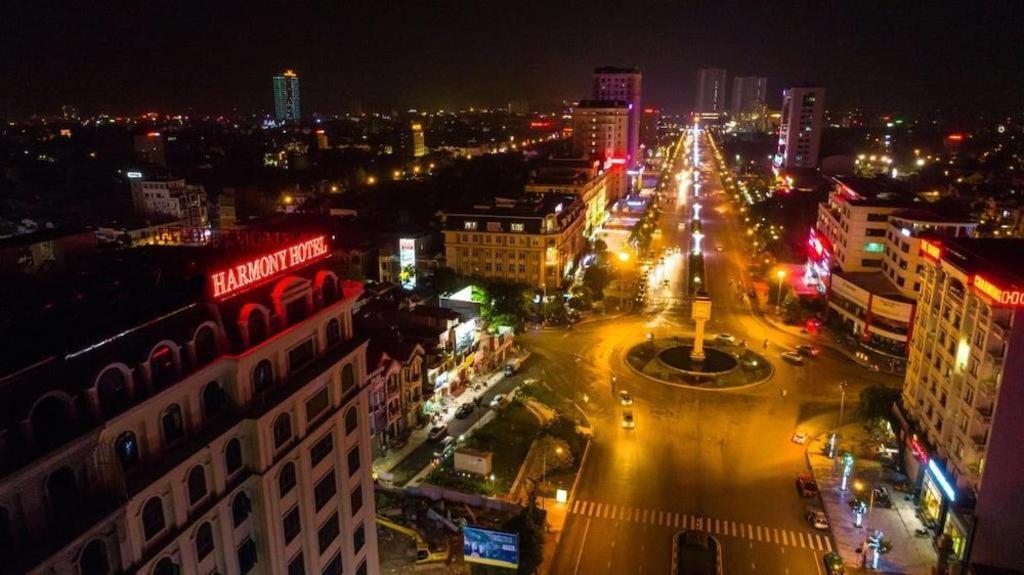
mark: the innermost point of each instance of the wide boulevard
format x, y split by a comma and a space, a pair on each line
718, 461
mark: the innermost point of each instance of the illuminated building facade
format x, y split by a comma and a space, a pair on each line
623, 85
803, 114
286, 97
583, 178
172, 198
175, 430
536, 240
711, 85
600, 130
960, 407
749, 95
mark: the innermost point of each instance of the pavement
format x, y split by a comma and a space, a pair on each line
910, 554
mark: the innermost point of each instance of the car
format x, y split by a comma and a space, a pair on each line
499, 400
627, 419
510, 370
625, 398
793, 357
725, 338
464, 411
446, 445
437, 432
719, 248
800, 438
808, 350
806, 486
833, 563
816, 518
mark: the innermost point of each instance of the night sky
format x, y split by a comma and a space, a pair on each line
219, 55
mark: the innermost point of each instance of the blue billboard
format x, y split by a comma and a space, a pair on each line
488, 547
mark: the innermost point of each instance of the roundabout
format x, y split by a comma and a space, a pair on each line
668, 361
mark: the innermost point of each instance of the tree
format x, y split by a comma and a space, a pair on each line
791, 308
445, 280
555, 312
596, 278
582, 298
876, 401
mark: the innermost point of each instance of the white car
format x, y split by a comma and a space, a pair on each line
625, 398
793, 357
800, 438
816, 517
499, 401
726, 338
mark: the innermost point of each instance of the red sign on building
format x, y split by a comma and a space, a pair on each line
263, 268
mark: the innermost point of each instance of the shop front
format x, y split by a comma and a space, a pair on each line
937, 496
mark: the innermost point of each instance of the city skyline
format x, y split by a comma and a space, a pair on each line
348, 61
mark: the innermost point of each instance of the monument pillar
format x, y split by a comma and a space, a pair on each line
700, 312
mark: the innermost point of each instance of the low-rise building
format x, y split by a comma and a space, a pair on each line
584, 178
170, 197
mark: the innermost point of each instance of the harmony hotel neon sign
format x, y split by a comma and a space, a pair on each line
997, 294
259, 269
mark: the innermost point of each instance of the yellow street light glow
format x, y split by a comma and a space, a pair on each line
287, 199
371, 180
780, 274
623, 256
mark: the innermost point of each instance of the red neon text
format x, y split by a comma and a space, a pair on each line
998, 295
257, 270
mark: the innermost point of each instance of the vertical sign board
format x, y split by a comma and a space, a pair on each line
488, 547
407, 262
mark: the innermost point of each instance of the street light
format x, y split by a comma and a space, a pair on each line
835, 435
781, 274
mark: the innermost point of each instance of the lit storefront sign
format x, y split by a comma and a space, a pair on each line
941, 481
263, 268
407, 262
919, 451
931, 250
998, 295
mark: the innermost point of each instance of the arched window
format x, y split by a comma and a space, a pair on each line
257, 327
204, 541
127, 449
333, 333
329, 289
51, 422
62, 491
286, 480
153, 518
172, 424
205, 346
348, 379
233, 456
262, 377
213, 399
166, 567
241, 508
93, 560
351, 420
282, 430
196, 484
112, 389
162, 371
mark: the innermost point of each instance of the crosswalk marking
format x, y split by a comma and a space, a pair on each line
715, 525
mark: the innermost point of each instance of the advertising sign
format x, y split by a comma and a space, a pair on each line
488, 547
265, 267
407, 262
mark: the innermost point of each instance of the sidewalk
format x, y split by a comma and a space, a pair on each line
910, 554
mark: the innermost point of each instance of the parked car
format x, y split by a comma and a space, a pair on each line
726, 338
793, 357
447, 444
627, 419
500, 400
625, 398
464, 411
882, 497
800, 438
808, 350
437, 432
806, 486
510, 370
816, 518
833, 563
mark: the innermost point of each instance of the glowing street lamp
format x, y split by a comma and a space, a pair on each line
696, 210
697, 237
781, 274
623, 256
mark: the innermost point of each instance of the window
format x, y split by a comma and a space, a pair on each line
334, 567
214, 399
62, 491
358, 538
301, 354
296, 310
127, 449
353, 460
112, 389
297, 566
518, 227
166, 567
282, 430
324, 490
356, 499
233, 456
348, 379
469, 225
351, 420
329, 289
205, 346
153, 518
328, 532
321, 449
333, 333
262, 377
317, 404
93, 560
292, 524
257, 327
246, 555
204, 541
172, 424
161, 367
241, 508
286, 480
196, 484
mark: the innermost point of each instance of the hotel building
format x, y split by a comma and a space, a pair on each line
187, 410
582, 178
803, 116
960, 417
536, 240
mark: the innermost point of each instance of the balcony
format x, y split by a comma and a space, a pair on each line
984, 413
979, 441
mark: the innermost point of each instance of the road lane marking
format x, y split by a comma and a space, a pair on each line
716, 526
828, 543
817, 538
583, 543
785, 540
644, 520
776, 533
575, 506
759, 533
802, 544
733, 528
676, 520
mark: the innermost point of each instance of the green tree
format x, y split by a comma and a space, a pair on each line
791, 310
582, 298
876, 401
555, 312
596, 279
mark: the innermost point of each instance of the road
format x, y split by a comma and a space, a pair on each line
721, 461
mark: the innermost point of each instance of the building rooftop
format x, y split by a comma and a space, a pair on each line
926, 215
998, 259
602, 104
526, 206
880, 191
615, 70
876, 283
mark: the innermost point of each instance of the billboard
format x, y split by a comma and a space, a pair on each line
490, 547
407, 262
